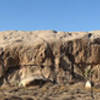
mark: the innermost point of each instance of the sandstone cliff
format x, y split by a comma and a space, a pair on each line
58, 57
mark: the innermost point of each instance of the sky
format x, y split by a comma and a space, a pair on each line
59, 15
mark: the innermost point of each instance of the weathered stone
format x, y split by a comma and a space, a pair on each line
55, 56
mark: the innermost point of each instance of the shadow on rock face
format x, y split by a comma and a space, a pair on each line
78, 77
38, 82
1, 81
13, 98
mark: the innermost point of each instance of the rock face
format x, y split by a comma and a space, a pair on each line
58, 57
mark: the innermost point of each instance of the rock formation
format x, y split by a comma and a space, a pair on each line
59, 57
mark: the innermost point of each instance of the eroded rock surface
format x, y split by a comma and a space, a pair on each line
50, 56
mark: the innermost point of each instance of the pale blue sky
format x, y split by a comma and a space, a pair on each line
60, 15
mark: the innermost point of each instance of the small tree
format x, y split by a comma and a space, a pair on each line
88, 73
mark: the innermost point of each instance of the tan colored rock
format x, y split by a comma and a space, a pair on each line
55, 55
